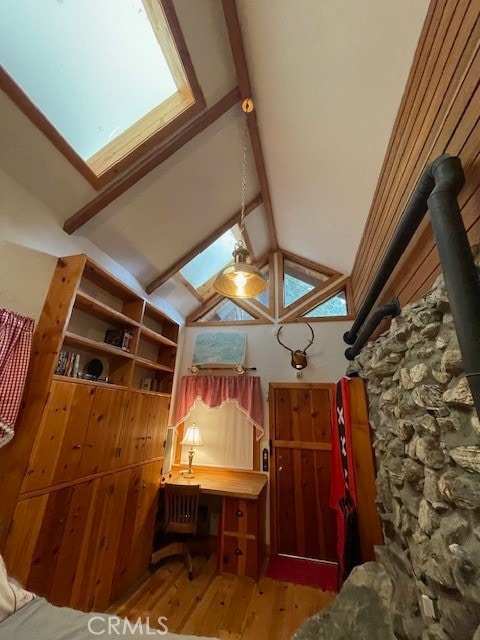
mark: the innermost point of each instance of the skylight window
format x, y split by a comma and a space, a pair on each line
106, 74
211, 260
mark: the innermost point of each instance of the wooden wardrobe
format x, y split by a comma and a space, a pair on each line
79, 481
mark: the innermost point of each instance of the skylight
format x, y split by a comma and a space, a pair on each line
96, 70
93, 68
200, 271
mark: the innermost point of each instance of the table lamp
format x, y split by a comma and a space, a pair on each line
191, 438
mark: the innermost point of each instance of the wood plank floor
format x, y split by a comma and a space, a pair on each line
222, 606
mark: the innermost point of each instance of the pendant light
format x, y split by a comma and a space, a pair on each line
241, 280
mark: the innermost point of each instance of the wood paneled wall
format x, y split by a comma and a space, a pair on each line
439, 113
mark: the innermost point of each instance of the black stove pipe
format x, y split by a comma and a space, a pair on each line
437, 192
391, 309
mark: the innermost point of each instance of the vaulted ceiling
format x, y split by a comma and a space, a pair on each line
327, 78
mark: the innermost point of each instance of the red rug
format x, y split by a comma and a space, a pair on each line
300, 571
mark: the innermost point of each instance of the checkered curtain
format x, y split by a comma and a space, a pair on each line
16, 333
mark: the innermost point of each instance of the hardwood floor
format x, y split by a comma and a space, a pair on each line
223, 606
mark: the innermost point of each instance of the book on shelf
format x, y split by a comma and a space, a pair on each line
68, 364
120, 338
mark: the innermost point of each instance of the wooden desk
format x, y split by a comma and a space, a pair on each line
241, 530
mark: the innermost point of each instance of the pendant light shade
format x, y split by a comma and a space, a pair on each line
241, 280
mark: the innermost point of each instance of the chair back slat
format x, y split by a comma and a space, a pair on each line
181, 507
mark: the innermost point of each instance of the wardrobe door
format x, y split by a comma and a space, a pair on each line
157, 426
103, 431
58, 447
95, 573
132, 436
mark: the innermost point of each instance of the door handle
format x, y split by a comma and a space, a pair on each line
280, 468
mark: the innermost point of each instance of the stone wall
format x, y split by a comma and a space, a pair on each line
427, 446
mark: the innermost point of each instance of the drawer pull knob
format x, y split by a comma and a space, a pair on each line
238, 552
239, 513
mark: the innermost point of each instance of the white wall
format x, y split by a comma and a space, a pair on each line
326, 362
31, 240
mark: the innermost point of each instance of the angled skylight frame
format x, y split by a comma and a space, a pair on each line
151, 130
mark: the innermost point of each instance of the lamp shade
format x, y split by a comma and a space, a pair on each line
192, 437
240, 280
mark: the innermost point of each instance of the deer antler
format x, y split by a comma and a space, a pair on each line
312, 338
280, 342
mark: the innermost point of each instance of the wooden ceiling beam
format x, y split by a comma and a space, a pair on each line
153, 160
206, 242
243, 79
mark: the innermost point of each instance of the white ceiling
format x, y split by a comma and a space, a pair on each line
327, 79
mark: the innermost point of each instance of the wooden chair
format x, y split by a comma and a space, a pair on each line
181, 518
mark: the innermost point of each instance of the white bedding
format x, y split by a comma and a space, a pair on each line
12, 597
42, 621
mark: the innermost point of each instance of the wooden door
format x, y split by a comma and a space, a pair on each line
302, 522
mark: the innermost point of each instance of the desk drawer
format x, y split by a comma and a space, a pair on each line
240, 556
241, 516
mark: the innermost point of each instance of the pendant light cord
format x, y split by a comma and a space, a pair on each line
244, 181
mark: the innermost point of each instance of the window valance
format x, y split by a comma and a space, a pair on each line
214, 391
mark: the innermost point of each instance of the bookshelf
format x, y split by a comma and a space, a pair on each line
102, 306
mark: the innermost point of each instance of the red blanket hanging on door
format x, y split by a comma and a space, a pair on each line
343, 489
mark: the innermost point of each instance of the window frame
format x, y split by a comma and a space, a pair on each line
187, 102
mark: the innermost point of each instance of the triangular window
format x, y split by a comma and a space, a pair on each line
336, 306
227, 311
300, 279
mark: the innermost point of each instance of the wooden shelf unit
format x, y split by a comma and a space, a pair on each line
102, 302
79, 480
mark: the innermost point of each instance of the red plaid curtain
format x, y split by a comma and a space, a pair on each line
16, 333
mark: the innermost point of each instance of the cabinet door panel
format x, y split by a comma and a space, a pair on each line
45, 557
145, 519
240, 516
93, 587
79, 519
157, 426
132, 435
68, 463
109, 543
23, 535
240, 556
126, 534
103, 431
46, 449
